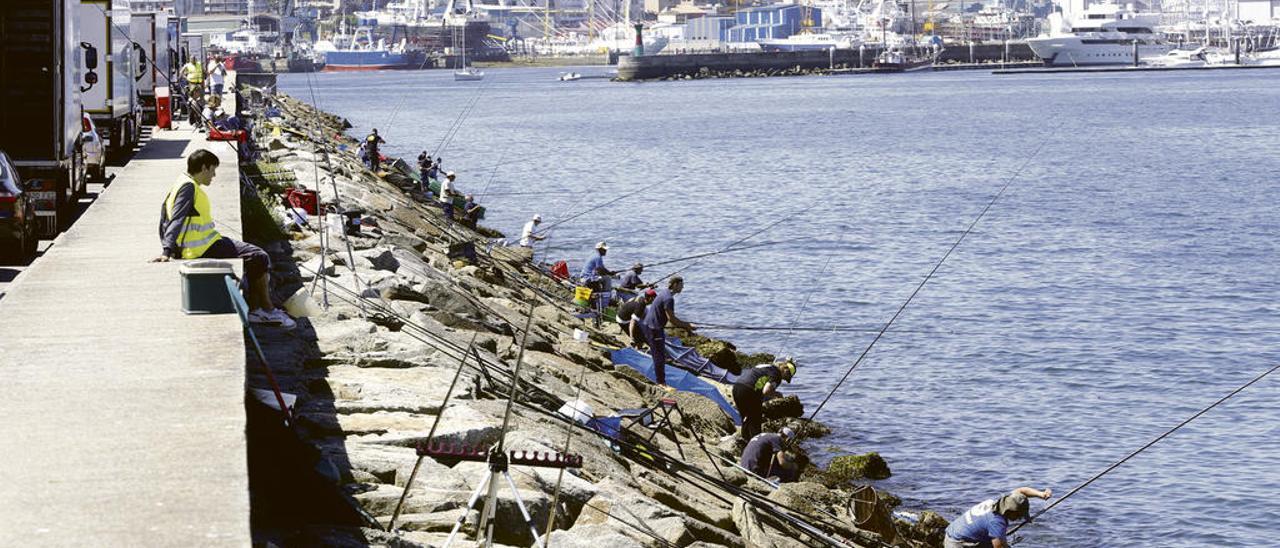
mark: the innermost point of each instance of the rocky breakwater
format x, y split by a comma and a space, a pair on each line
392, 316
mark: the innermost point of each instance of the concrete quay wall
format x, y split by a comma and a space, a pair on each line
653, 67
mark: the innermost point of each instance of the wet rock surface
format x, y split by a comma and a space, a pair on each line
394, 321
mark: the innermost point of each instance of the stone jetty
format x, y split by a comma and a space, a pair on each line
389, 316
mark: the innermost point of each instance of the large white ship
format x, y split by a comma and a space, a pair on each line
1102, 34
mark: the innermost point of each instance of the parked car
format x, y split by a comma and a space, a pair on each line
18, 235
95, 153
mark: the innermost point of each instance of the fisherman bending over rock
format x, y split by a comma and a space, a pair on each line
631, 314
187, 232
766, 456
986, 523
753, 386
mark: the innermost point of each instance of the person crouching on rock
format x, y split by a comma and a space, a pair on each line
766, 456
187, 232
987, 522
631, 314
753, 386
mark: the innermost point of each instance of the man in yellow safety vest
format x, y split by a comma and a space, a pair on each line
187, 232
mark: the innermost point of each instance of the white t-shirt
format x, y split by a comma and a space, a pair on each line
526, 235
446, 190
216, 73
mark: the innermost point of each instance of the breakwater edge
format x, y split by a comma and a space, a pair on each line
401, 314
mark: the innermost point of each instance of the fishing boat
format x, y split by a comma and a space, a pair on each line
359, 51
570, 76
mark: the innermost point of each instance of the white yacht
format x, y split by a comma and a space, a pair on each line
1102, 34
809, 41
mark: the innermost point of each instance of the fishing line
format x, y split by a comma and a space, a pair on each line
1147, 446
608, 203
465, 113
800, 313
740, 240
834, 328
932, 271
722, 251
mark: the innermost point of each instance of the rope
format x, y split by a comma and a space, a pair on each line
1147, 446
932, 271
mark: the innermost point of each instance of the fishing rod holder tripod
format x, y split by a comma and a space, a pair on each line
499, 463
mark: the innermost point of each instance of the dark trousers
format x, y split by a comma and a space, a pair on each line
748, 402
658, 351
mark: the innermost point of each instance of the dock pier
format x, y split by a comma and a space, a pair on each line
124, 418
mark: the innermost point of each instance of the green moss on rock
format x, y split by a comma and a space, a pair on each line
844, 469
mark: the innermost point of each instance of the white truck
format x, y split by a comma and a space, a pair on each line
113, 102
155, 36
40, 118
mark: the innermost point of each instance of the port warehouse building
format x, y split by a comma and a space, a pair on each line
752, 24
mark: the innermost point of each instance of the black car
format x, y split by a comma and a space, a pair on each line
17, 216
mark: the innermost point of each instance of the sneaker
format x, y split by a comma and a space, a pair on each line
275, 317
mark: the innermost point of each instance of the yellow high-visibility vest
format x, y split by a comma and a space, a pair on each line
194, 73
198, 232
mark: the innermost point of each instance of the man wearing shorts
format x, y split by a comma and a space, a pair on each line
187, 232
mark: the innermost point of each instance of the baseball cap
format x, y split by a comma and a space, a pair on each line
650, 293
787, 367
450, 174
787, 432
603, 246
537, 218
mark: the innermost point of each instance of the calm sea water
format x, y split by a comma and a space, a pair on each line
1127, 278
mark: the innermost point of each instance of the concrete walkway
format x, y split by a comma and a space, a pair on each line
121, 418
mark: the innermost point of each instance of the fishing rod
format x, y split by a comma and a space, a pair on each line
661, 461
1157, 439
929, 276
722, 251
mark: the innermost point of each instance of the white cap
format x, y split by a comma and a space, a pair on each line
537, 218
450, 174
787, 432
603, 246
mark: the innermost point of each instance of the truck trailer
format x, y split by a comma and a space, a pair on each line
113, 102
151, 35
40, 116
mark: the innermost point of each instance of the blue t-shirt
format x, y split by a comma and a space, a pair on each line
589, 270
759, 453
980, 524
630, 280
659, 311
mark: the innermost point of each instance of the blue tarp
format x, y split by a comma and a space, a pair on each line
676, 377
